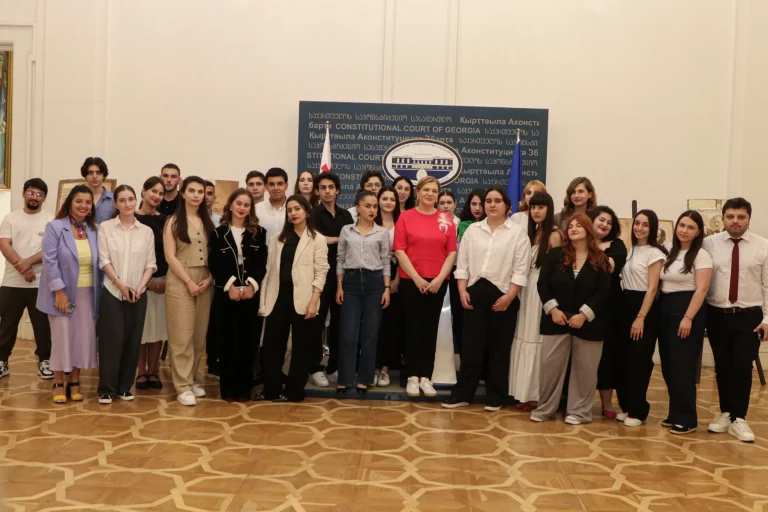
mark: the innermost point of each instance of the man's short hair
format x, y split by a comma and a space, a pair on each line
738, 203
171, 166
209, 184
276, 172
37, 183
255, 174
327, 176
367, 175
94, 160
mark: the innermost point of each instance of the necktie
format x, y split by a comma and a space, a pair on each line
733, 291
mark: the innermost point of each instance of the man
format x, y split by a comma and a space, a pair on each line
271, 213
210, 199
737, 313
171, 175
255, 182
329, 219
21, 237
95, 171
370, 180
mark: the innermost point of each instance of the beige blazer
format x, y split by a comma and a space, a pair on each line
310, 267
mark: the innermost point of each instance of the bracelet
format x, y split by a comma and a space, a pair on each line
689, 318
114, 279
640, 316
387, 287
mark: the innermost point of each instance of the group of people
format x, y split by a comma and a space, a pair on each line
537, 298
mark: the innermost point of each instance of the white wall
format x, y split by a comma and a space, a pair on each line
657, 101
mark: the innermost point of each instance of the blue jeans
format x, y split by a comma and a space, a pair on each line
360, 318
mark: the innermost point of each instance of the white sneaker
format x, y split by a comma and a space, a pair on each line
4, 370
319, 379
741, 431
383, 380
426, 387
333, 377
187, 398
572, 420
198, 391
412, 388
375, 379
622, 416
632, 422
492, 408
720, 424
44, 370
536, 419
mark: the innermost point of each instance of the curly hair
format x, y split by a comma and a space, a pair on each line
595, 256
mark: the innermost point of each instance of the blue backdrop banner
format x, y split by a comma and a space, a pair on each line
463, 147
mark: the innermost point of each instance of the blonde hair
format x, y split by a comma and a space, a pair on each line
426, 180
522, 205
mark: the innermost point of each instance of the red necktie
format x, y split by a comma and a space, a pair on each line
733, 291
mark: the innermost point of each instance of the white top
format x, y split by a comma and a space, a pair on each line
26, 234
521, 219
674, 280
501, 257
130, 251
456, 221
634, 275
237, 233
353, 211
216, 218
753, 271
270, 218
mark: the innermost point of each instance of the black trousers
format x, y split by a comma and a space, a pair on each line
328, 302
119, 330
422, 318
612, 372
639, 354
212, 339
389, 350
488, 337
12, 304
238, 343
734, 346
680, 357
281, 321
457, 313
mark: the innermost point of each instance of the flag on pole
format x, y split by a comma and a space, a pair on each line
515, 183
325, 163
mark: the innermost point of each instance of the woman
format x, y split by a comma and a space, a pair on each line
543, 235
640, 314
238, 263
127, 259
187, 288
296, 271
305, 186
473, 210
405, 195
490, 299
446, 202
155, 330
684, 285
362, 276
389, 349
425, 246
574, 284
521, 216
580, 197
612, 372
71, 271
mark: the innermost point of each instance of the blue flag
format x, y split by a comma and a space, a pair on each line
515, 183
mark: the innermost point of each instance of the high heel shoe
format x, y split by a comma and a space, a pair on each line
60, 398
75, 397
341, 390
361, 392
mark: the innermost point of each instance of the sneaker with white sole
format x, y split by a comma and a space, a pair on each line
492, 408
333, 377
187, 398
632, 422
572, 420
622, 416
412, 388
105, 399
319, 379
383, 380
452, 403
198, 391
375, 379
741, 431
4, 369
536, 419
426, 387
44, 370
720, 424
127, 396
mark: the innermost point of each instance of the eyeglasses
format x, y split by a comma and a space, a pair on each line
32, 193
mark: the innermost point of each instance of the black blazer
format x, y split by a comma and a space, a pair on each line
222, 257
592, 287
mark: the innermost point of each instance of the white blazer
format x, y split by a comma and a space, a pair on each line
310, 268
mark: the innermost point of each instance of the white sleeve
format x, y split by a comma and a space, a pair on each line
5, 228
703, 260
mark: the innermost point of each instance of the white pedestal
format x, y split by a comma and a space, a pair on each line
445, 366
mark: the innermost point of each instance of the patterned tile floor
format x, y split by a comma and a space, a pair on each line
330, 455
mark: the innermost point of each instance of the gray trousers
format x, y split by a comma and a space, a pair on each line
119, 330
585, 358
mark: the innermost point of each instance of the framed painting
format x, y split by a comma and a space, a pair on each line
6, 100
224, 189
711, 211
65, 186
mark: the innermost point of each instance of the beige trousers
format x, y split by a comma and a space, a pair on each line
187, 318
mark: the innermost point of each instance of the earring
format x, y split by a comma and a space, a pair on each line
90, 213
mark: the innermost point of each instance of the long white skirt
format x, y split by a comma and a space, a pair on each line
155, 326
526, 348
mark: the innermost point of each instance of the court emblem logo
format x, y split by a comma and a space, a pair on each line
418, 158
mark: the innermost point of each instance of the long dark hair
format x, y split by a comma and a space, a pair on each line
396, 212
615, 231
690, 256
466, 212
411, 201
653, 232
547, 225
180, 225
314, 199
251, 220
288, 226
122, 188
90, 219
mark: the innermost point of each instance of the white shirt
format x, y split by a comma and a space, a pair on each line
270, 218
216, 218
674, 280
521, 219
237, 233
353, 211
129, 250
634, 275
26, 234
753, 271
501, 257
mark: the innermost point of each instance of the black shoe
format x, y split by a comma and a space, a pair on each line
666, 423
105, 399
452, 403
681, 430
154, 384
144, 384
281, 399
341, 390
361, 392
258, 397
127, 396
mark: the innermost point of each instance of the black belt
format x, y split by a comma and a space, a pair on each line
360, 270
734, 310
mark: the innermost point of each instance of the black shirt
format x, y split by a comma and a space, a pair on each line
168, 208
156, 224
329, 225
286, 259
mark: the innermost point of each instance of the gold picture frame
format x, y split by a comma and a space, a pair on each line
6, 110
65, 186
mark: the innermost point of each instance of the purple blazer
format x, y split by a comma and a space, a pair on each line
61, 266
